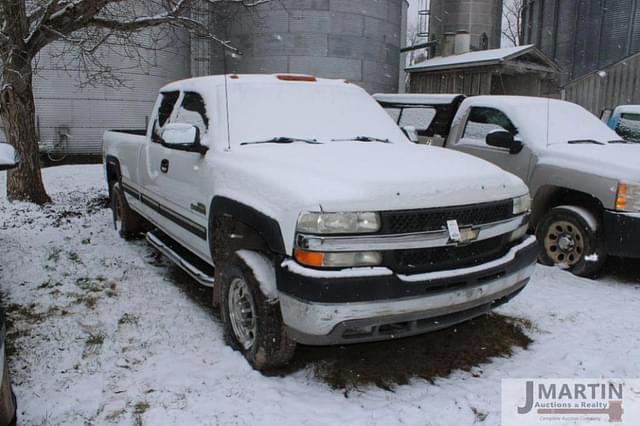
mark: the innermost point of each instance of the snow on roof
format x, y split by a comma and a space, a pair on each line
415, 98
215, 80
481, 57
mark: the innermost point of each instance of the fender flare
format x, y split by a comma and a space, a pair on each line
112, 165
267, 228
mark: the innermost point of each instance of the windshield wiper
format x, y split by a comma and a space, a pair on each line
362, 139
586, 141
284, 140
620, 141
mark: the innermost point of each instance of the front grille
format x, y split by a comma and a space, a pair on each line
408, 221
443, 258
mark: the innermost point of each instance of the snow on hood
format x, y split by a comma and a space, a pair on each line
617, 161
347, 176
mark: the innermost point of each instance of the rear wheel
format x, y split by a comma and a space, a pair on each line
125, 221
569, 241
252, 325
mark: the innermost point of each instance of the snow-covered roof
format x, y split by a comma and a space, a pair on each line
415, 98
215, 80
479, 58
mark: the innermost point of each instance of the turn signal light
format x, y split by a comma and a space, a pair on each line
309, 258
621, 198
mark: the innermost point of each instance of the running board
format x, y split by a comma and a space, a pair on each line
179, 255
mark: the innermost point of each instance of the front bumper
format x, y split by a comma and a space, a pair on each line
622, 234
378, 305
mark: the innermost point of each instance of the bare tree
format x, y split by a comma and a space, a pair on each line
83, 27
512, 21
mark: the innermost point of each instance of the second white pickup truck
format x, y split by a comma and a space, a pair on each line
313, 217
584, 178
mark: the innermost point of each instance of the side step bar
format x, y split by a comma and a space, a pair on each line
179, 256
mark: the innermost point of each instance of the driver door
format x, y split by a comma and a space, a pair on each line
480, 122
187, 178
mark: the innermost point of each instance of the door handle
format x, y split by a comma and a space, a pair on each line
164, 166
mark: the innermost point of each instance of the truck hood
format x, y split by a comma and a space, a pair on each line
616, 161
348, 176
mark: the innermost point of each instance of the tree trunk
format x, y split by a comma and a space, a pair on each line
17, 108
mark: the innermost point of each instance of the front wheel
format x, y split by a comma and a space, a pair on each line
568, 239
252, 324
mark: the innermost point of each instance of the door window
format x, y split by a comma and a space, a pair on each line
192, 111
483, 120
393, 112
420, 118
167, 104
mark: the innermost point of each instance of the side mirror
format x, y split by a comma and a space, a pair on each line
503, 139
183, 137
9, 158
411, 133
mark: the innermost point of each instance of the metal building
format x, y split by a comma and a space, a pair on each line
583, 35
71, 119
481, 18
358, 40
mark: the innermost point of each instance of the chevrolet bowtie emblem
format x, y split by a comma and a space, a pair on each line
460, 235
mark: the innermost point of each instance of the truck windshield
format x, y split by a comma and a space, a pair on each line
556, 122
309, 111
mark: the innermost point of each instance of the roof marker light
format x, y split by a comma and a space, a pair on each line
292, 77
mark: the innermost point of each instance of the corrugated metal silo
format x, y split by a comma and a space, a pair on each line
358, 40
583, 35
482, 18
71, 119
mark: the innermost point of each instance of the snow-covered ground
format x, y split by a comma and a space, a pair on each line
104, 332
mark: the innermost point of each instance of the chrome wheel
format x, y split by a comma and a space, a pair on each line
564, 243
242, 313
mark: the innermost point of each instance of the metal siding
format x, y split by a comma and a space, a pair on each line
615, 29
358, 40
88, 111
590, 34
547, 32
615, 85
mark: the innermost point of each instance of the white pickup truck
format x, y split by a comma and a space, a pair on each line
312, 215
583, 177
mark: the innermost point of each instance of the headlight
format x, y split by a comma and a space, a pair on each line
338, 223
338, 260
628, 197
521, 204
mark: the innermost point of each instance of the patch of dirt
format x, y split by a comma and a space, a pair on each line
390, 363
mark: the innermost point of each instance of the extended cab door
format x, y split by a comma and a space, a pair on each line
175, 180
479, 122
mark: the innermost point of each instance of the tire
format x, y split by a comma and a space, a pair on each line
126, 222
568, 240
258, 333
8, 412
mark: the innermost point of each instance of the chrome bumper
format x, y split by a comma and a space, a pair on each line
337, 323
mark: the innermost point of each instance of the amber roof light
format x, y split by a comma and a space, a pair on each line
290, 77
